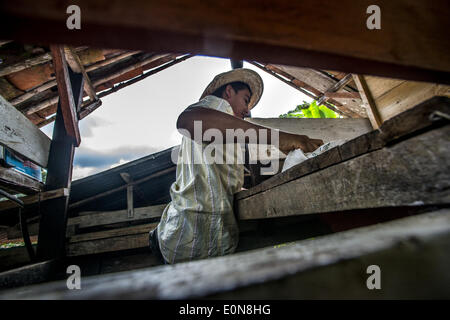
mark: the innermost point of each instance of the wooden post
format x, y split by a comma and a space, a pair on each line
52, 229
130, 200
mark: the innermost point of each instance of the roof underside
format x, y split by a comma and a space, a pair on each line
28, 82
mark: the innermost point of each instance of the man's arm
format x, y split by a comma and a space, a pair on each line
213, 119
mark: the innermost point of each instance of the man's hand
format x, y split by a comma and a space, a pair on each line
293, 141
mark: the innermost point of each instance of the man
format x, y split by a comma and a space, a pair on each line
199, 222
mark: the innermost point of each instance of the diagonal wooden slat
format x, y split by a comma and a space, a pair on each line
68, 104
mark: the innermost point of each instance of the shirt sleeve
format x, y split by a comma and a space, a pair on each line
212, 102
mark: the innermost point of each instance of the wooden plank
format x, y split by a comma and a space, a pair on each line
369, 102
28, 275
334, 88
393, 180
318, 83
403, 97
53, 194
22, 136
18, 182
342, 95
408, 45
108, 245
411, 253
406, 123
77, 66
103, 194
379, 86
155, 58
66, 97
52, 227
325, 129
143, 228
90, 219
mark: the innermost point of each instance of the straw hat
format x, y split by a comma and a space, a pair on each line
250, 77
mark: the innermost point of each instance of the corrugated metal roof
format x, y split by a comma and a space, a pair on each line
151, 192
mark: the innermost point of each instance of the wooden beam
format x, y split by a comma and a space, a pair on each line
99, 81
40, 197
342, 95
143, 228
28, 63
131, 68
78, 67
335, 87
50, 84
95, 218
145, 75
130, 198
300, 85
17, 182
68, 103
106, 62
22, 136
408, 250
88, 107
103, 194
405, 124
394, 180
322, 82
125, 242
324, 129
258, 32
369, 102
52, 227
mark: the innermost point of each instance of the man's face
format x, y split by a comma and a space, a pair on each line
238, 101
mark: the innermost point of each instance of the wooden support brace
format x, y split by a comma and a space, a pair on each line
77, 66
68, 104
130, 201
336, 87
369, 102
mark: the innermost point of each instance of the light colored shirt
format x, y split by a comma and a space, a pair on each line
199, 221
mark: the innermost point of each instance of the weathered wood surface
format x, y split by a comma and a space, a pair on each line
392, 246
22, 136
408, 45
305, 88
102, 218
408, 122
122, 242
143, 228
47, 195
27, 275
407, 95
17, 182
69, 103
52, 227
413, 172
124, 187
325, 129
368, 100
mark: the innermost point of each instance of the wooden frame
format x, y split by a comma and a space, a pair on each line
245, 32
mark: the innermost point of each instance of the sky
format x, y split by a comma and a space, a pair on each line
141, 119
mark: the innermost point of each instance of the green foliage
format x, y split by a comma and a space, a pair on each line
310, 110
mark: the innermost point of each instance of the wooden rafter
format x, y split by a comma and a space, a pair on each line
50, 84
305, 89
77, 66
336, 87
28, 63
89, 106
